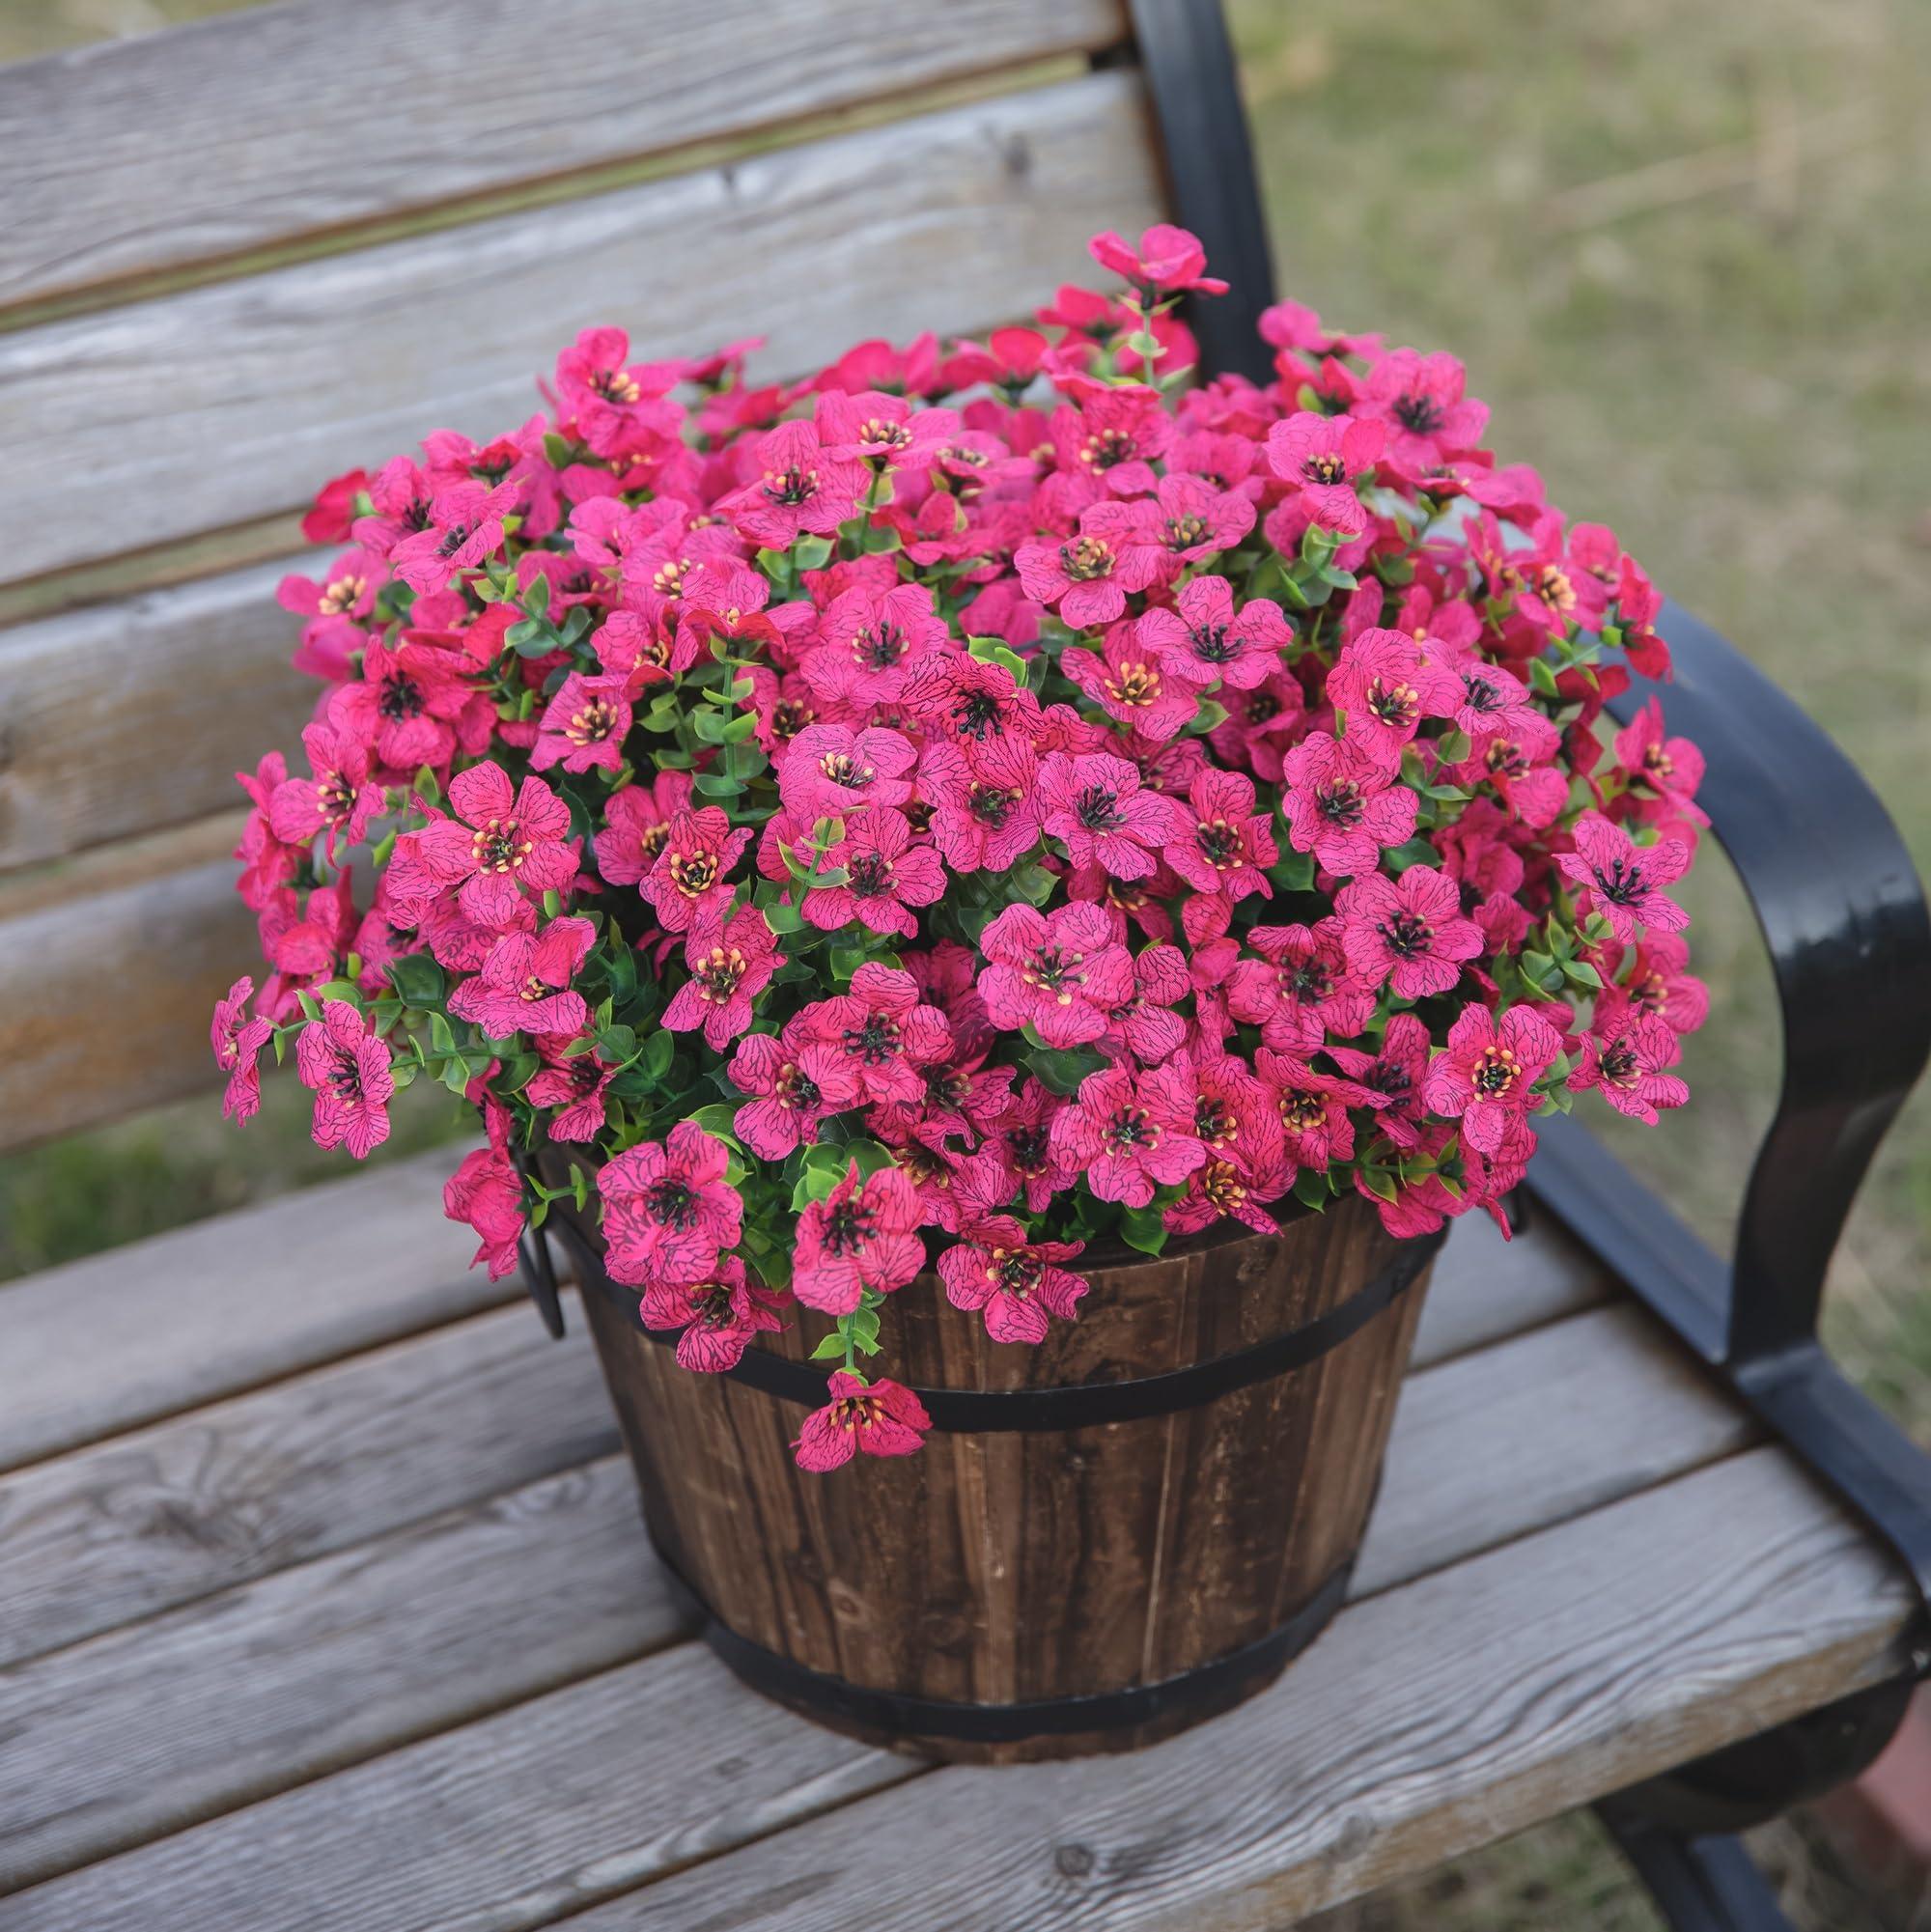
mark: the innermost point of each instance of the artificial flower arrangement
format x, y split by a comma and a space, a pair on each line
982, 800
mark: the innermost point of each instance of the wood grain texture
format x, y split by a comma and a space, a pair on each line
1486, 1288
152, 1727
1602, 1406
555, 1801
131, 717
1432, 1719
155, 956
149, 1520
226, 403
999, 1568
152, 1329
259, 126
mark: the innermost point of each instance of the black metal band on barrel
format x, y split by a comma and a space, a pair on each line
1203, 1692
1075, 1405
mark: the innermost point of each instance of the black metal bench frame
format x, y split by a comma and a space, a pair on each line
1844, 918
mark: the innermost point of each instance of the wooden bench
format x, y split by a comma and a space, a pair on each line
323, 1603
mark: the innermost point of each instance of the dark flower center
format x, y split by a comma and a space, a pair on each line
1054, 971
1301, 1112
1394, 704
871, 876
399, 697
873, 1041
1419, 415
592, 723
1340, 804
1130, 1127
693, 873
1183, 532
1098, 809
1214, 644
992, 805
1622, 885
791, 487
1480, 695
718, 972
1105, 448
494, 847
1220, 845
877, 646
977, 713
1407, 936
1027, 1145
1496, 1073
1327, 469
848, 1228
671, 1203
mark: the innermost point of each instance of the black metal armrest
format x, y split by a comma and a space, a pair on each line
1844, 917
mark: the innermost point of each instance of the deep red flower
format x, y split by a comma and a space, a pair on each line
1302, 988
1386, 684
1167, 260
486, 1193
584, 725
1313, 1107
1131, 685
1624, 881
864, 1234
573, 1082
1408, 931
499, 843
637, 823
347, 1068
336, 803
668, 1210
1486, 1079
1018, 1282
524, 984
1393, 1077
1088, 575
829, 769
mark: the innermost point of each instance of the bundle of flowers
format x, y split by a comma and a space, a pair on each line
983, 800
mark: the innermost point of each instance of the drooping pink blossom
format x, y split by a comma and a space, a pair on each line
348, 1068
1393, 1077
573, 1082
238, 1042
485, 1193
335, 804
1167, 261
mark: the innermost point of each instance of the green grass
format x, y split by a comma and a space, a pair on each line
1683, 251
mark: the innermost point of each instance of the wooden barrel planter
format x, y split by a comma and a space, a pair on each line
1105, 1539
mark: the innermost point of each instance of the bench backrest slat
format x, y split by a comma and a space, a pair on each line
289, 240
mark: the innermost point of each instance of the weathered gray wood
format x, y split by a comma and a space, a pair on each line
1598, 1407
1486, 1288
1427, 1719
153, 957
158, 1725
273, 383
130, 717
152, 1329
318, 1463
291, 120
1434, 1719
160, 1685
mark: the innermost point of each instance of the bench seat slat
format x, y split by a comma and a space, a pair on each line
150, 1726
1426, 1721
183, 1508
292, 120
151, 1329
956, 220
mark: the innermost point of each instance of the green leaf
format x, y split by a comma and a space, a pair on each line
1143, 1228
783, 919
417, 978
616, 1044
718, 1119
1581, 972
1540, 678
558, 450
830, 1348
741, 728
811, 553
1416, 852
717, 785
656, 1054
536, 598
996, 651
1311, 1188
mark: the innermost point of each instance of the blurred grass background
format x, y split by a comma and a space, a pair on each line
1684, 253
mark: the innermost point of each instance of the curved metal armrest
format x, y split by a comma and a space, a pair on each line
1843, 913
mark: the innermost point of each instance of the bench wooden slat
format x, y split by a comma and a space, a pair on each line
223, 404
157, 1517
293, 121
131, 717
1428, 1719
154, 1726
150, 1330
135, 1526
156, 1687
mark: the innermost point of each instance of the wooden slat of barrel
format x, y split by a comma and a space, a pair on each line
224, 404
285, 122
